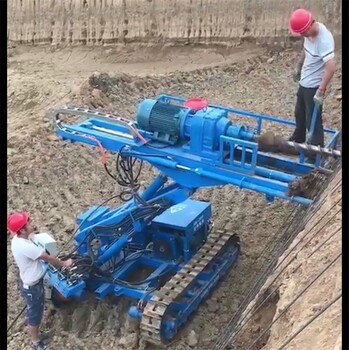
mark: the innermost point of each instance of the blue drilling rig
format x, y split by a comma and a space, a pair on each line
159, 248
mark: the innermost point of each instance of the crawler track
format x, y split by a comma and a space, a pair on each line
155, 312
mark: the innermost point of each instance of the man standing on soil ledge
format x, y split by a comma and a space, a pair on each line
314, 72
27, 256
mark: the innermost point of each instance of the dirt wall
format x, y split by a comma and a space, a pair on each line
201, 21
307, 278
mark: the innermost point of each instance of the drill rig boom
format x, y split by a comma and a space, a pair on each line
195, 148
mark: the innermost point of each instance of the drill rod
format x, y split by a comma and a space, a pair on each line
313, 149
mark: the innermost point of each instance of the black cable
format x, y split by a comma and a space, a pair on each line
248, 292
324, 242
283, 248
17, 317
253, 312
268, 268
126, 176
135, 284
335, 188
94, 210
248, 289
290, 239
316, 233
122, 225
107, 277
129, 258
312, 319
224, 338
85, 266
295, 299
301, 224
109, 173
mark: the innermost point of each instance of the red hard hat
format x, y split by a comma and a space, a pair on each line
17, 221
300, 21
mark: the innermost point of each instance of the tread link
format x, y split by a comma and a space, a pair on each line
156, 307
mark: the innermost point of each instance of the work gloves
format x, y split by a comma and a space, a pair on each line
296, 75
319, 97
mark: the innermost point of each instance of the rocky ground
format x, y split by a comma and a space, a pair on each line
55, 181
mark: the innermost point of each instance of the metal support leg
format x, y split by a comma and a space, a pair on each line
312, 123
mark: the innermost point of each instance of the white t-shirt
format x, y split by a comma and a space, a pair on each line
317, 52
26, 255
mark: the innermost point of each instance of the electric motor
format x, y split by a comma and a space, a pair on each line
163, 119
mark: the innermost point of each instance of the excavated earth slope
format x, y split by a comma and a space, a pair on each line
55, 181
315, 255
95, 22
299, 305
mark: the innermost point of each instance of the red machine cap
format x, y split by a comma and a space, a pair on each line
196, 103
17, 221
300, 21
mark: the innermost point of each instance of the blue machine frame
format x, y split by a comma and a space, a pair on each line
222, 153
257, 171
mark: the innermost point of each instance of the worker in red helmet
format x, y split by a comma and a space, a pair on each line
28, 256
314, 72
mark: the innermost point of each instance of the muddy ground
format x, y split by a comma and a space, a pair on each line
55, 181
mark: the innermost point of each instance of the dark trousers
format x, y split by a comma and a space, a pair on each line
34, 297
303, 115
